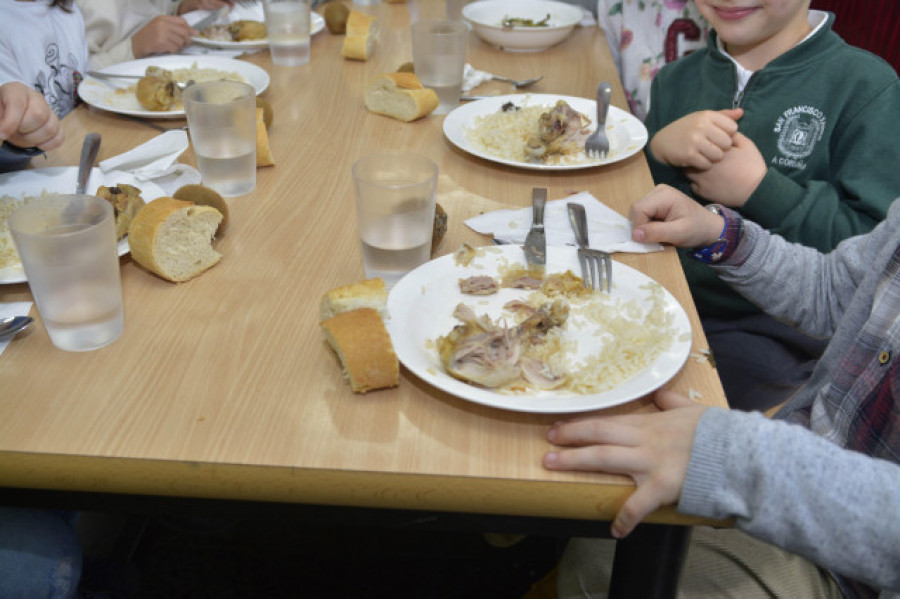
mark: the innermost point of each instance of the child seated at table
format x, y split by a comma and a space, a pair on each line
55, 29
762, 120
119, 31
812, 493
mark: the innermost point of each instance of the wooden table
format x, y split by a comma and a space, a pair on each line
223, 388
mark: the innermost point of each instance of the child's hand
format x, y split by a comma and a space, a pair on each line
697, 140
654, 449
26, 120
164, 34
665, 215
733, 179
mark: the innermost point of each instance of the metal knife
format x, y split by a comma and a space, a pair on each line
210, 19
535, 241
89, 150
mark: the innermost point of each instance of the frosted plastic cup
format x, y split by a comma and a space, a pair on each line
439, 55
287, 23
221, 119
454, 9
68, 247
395, 198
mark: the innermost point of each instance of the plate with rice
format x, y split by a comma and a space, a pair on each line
613, 348
20, 186
316, 24
118, 95
482, 128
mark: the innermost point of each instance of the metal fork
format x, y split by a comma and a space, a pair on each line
596, 146
596, 265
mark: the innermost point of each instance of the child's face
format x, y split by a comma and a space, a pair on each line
765, 28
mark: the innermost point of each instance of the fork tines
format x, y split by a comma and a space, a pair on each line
596, 266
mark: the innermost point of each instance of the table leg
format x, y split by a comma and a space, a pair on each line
649, 561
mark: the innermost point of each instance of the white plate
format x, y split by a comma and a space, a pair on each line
486, 18
102, 93
421, 308
61, 179
316, 24
627, 134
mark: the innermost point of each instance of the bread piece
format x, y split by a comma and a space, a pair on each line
364, 347
361, 36
401, 96
370, 293
263, 152
204, 196
173, 238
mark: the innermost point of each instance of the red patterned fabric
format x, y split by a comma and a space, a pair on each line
873, 25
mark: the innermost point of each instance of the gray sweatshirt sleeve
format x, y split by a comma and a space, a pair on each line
790, 487
802, 287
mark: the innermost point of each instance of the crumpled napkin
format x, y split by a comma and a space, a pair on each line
155, 161
472, 77
607, 229
8, 310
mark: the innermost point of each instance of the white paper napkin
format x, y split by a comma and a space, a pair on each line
12, 309
155, 161
607, 229
472, 77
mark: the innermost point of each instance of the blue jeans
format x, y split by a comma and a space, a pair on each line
40, 555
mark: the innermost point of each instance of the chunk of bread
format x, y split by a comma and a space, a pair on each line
263, 152
361, 36
401, 96
363, 344
173, 238
370, 293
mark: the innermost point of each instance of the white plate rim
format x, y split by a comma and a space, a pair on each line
573, 13
415, 295
317, 24
93, 90
623, 129
61, 174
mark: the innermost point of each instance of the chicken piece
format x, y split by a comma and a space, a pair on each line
126, 201
481, 352
217, 33
562, 130
522, 279
157, 90
538, 373
246, 30
478, 285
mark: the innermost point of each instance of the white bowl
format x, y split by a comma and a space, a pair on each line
486, 18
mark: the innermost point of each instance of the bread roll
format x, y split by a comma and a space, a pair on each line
361, 36
263, 152
173, 238
370, 293
401, 96
364, 347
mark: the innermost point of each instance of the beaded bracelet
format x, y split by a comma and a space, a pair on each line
728, 239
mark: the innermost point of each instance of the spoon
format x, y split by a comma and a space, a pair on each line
12, 325
89, 151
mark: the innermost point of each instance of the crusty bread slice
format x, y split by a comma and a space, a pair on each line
401, 96
263, 152
370, 293
364, 347
173, 238
361, 37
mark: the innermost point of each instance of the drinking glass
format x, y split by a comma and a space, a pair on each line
287, 23
221, 119
395, 199
67, 244
439, 55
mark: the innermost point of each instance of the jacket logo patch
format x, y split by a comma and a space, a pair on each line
799, 129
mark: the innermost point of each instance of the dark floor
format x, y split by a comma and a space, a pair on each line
275, 558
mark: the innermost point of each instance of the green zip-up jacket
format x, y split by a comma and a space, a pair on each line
826, 118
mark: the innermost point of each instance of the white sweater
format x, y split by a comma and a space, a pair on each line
109, 25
